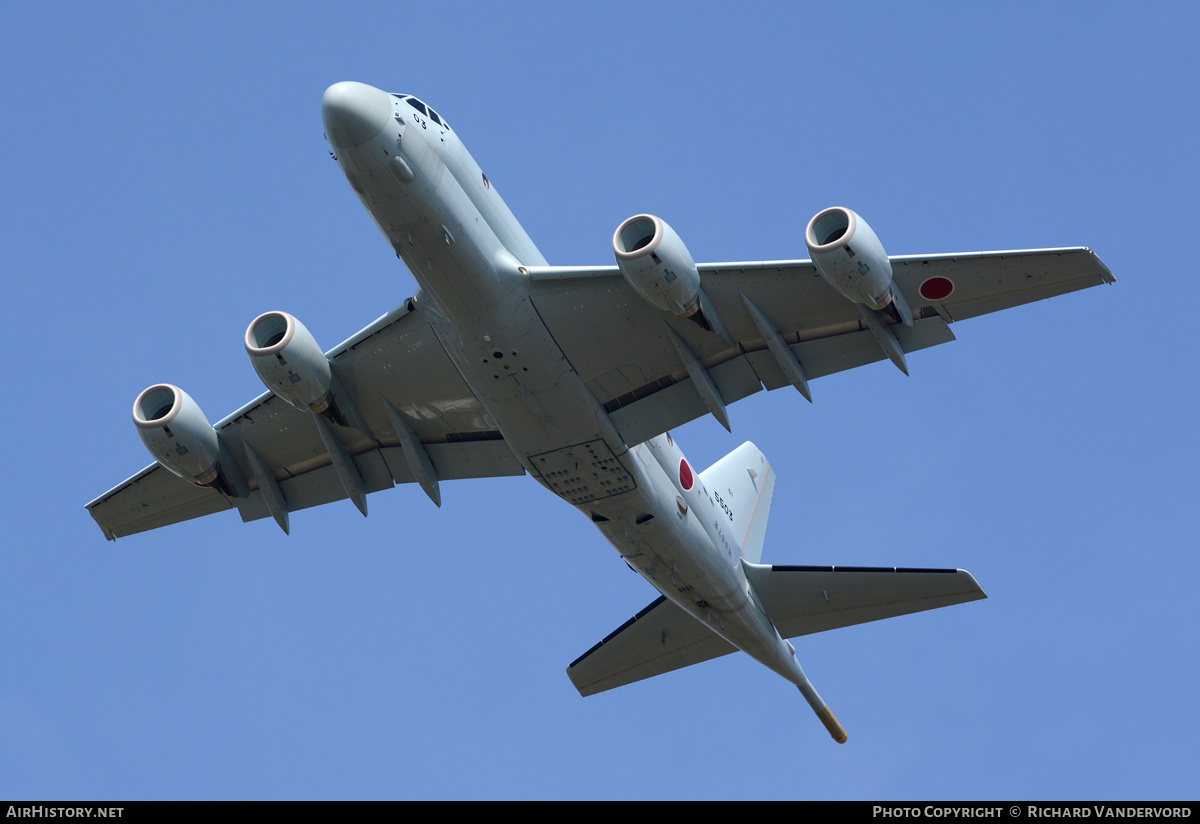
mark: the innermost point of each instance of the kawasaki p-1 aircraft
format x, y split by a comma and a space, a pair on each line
502, 364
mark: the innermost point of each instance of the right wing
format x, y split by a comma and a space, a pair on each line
397, 358
800, 600
620, 344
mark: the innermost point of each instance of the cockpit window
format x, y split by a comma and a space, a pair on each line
422, 108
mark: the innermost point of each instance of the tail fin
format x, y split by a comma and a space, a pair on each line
745, 483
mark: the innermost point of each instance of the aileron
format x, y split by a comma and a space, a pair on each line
151, 499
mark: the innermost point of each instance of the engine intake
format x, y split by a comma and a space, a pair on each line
176, 433
288, 360
850, 257
657, 265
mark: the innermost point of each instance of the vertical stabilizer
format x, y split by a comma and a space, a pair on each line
744, 483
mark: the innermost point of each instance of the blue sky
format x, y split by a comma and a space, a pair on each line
166, 180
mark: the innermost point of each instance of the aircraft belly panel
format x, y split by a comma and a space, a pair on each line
583, 473
522, 378
487, 326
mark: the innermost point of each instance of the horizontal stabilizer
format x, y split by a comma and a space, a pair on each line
660, 638
802, 600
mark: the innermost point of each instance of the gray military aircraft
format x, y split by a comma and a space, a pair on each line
502, 364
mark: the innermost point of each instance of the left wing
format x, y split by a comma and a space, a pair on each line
397, 360
640, 377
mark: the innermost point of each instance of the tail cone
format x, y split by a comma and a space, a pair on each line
831, 724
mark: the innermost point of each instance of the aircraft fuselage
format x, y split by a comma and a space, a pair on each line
446, 221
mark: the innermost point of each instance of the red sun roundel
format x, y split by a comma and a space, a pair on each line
685, 475
937, 288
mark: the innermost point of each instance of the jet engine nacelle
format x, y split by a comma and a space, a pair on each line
288, 360
657, 265
850, 257
177, 434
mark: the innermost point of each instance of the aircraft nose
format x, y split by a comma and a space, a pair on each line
354, 113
